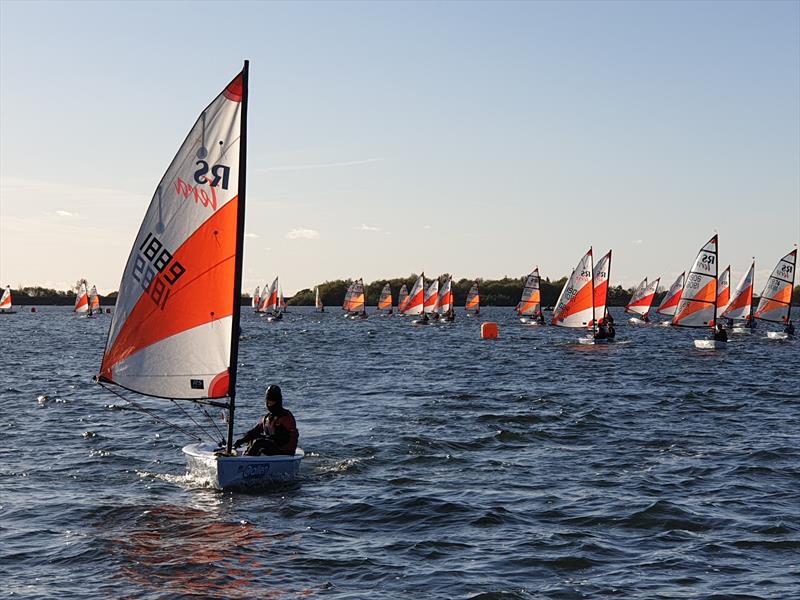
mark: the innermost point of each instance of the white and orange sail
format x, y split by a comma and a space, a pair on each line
402, 299
94, 301
281, 301
741, 304
445, 303
385, 300
575, 303
723, 290
775, 303
82, 299
175, 330
432, 298
317, 300
415, 302
256, 298
670, 302
642, 298
530, 303
5, 301
473, 303
698, 304
600, 276
354, 300
269, 299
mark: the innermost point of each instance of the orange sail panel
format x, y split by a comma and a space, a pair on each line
171, 331
698, 304
776, 299
574, 307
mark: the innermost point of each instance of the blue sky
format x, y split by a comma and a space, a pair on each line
479, 139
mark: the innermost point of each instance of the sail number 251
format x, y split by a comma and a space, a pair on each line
155, 270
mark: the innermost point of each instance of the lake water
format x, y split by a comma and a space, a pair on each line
438, 465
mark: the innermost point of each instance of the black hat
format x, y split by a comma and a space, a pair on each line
274, 393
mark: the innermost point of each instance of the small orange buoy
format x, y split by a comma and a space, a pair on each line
489, 331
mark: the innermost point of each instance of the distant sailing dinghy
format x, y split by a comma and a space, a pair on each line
575, 305
431, 304
775, 304
256, 298
94, 302
270, 302
447, 314
385, 301
473, 303
82, 300
530, 304
5, 302
641, 301
402, 300
355, 301
670, 302
174, 333
741, 305
697, 306
415, 305
318, 306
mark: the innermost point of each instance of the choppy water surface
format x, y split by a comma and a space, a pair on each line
438, 466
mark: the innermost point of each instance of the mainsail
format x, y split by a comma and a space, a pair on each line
530, 303
432, 297
414, 304
741, 304
269, 300
317, 301
94, 301
723, 290
445, 303
575, 303
175, 330
402, 299
385, 301
698, 304
5, 301
670, 302
775, 303
642, 297
601, 274
82, 299
473, 302
354, 299
256, 298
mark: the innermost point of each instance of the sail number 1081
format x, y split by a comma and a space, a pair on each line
155, 270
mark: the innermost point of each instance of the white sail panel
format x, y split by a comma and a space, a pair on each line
180, 276
574, 306
741, 304
776, 299
698, 304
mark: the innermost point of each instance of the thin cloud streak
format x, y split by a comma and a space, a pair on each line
302, 234
349, 163
365, 227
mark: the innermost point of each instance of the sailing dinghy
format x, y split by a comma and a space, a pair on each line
5, 302
741, 305
355, 302
575, 305
270, 302
446, 312
697, 306
473, 303
431, 303
530, 304
775, 304
94, 302
415, 305
723, 291
318, 306
641, 301
256, 298
602, 322
670, 302
174, 333
385, 301
82, 299
402, 300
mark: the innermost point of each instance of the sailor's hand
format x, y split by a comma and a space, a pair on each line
237, 443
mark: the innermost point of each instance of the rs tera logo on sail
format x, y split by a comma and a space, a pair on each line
220, 176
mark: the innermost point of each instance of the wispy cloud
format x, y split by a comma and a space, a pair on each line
365, 227
348, 163
302, 234
251, 235
426, 226
637, 242
66, 213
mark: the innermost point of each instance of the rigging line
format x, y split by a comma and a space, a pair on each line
214, 423
192, 419
151, 413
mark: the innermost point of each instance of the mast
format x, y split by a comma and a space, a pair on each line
237, 278
591, 274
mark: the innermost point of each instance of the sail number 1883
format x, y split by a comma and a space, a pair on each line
155, 270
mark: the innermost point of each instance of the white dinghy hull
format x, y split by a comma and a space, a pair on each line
709, 344
777, 335
742, 330
635, 321
226, 472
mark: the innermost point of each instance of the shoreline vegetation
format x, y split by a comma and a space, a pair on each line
494, 292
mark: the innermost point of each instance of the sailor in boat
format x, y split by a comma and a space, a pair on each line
719, 334
449, 315
424, 319
645, 317
539, 318
789, 329
750, 322
602, 331
609, 323
274, 434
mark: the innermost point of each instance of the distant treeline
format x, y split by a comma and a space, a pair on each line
494, 292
